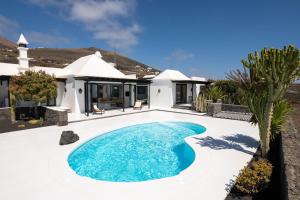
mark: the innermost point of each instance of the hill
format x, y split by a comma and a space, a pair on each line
4, 43
61, 57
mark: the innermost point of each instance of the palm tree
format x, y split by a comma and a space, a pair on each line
264, 81
214, 93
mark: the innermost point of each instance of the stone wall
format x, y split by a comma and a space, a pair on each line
55, 117
229, 111
214, 108
235, 108
290, 161
50, 115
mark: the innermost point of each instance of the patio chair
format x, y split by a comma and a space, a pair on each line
137, 105
96, 110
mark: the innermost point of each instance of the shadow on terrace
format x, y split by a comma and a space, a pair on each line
235, 142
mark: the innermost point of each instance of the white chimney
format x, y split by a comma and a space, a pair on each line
23, 58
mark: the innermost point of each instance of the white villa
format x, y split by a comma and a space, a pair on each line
90, 80
172, 88
160, 153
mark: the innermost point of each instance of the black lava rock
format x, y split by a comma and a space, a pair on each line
68, 137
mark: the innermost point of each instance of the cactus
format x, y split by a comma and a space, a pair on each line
264, 81
200, 103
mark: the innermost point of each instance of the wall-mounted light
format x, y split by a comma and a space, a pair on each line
158, 91
80, 90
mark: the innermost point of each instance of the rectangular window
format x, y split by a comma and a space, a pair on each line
100, 91
115, 93
142, 92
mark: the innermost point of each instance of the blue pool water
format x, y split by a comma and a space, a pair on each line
136, 153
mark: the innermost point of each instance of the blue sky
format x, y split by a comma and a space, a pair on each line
203, 38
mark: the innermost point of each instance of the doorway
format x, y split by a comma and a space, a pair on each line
181, 93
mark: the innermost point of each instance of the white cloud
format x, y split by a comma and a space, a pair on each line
8, 27
179, 55
93, 11
103, 18
46, 40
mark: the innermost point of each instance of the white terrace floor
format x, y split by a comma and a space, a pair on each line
77, 117
33, 166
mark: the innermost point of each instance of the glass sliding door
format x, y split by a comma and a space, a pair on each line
115, 96
181, 93
106, 96
142, 93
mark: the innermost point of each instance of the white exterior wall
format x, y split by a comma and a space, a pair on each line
165, 97
72, 99
79, 98
173, 94
60, 92
69, 96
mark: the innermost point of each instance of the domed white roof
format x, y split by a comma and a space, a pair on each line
173, 75
92, 66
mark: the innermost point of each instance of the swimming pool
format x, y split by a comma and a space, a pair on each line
136, 153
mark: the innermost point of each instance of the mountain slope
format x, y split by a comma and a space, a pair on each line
4, 43
61, 57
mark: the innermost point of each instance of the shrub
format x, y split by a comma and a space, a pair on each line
35, 122
254, 178
214, 93
21, 126
231, 90
280, 112
32, 86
